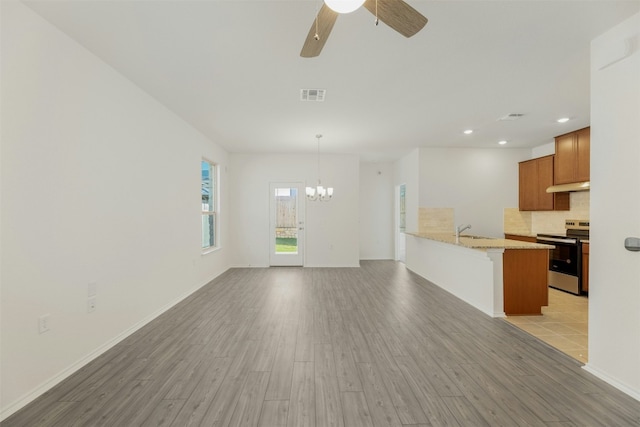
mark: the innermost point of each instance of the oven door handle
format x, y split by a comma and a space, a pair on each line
551, 239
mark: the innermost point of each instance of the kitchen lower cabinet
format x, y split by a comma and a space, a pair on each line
496, 276
525, 281
530, 239
585, 267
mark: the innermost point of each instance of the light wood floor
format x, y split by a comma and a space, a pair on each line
369, 346
564, 324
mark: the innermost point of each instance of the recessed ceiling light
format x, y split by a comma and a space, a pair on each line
502, 142
468, 131
563, 120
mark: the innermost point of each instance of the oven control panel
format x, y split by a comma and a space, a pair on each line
576, 224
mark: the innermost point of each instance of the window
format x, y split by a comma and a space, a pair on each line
209, 204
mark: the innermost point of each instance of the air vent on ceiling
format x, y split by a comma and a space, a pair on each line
312, 94
511, 117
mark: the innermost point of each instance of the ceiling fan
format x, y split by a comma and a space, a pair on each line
395, 13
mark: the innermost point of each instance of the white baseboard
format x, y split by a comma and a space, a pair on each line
250, 266
306, 266
333, 266
58, 378
612, 381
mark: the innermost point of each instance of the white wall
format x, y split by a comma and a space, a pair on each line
614, 282
100, 183
477, 183
376, 211
331, 227
544, 149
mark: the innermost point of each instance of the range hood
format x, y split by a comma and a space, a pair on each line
575, 186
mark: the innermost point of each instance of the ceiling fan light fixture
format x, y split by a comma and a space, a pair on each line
344, 6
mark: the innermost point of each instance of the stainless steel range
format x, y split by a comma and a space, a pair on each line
565, 261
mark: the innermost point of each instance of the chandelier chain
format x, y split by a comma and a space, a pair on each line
318, 136
319, 193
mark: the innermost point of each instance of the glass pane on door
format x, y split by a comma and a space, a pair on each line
286, 233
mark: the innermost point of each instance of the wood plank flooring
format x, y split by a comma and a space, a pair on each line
346, 347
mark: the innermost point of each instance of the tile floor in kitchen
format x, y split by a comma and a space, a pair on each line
563, 323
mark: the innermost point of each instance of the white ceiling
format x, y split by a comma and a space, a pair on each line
232, 70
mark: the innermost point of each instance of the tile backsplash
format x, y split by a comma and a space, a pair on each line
436, 220
546, 221
517, 222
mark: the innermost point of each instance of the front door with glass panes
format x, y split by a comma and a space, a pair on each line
286, 242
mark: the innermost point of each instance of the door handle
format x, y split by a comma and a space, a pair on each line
301, 228
632, 244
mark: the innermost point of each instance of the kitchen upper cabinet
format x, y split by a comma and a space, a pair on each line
572, 157
535, 176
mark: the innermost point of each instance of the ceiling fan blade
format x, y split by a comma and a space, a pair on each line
325, 20
398, 15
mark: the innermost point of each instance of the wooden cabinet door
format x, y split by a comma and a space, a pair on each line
535, 176
583, 148
564, 168
524, 273
527, 185
572, 163
544, 181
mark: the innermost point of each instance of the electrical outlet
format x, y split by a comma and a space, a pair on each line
44, 323
91, 305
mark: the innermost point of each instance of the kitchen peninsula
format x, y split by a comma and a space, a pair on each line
497, 276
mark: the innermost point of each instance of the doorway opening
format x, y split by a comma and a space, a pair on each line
401, 222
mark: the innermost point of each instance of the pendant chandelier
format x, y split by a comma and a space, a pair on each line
319, 192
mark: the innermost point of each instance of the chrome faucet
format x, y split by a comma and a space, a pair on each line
460, 229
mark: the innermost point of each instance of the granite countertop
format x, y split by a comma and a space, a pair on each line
478, 242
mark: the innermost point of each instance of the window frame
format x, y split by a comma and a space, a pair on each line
214, 204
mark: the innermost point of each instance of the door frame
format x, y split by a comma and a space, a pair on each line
287, 259
400, 238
